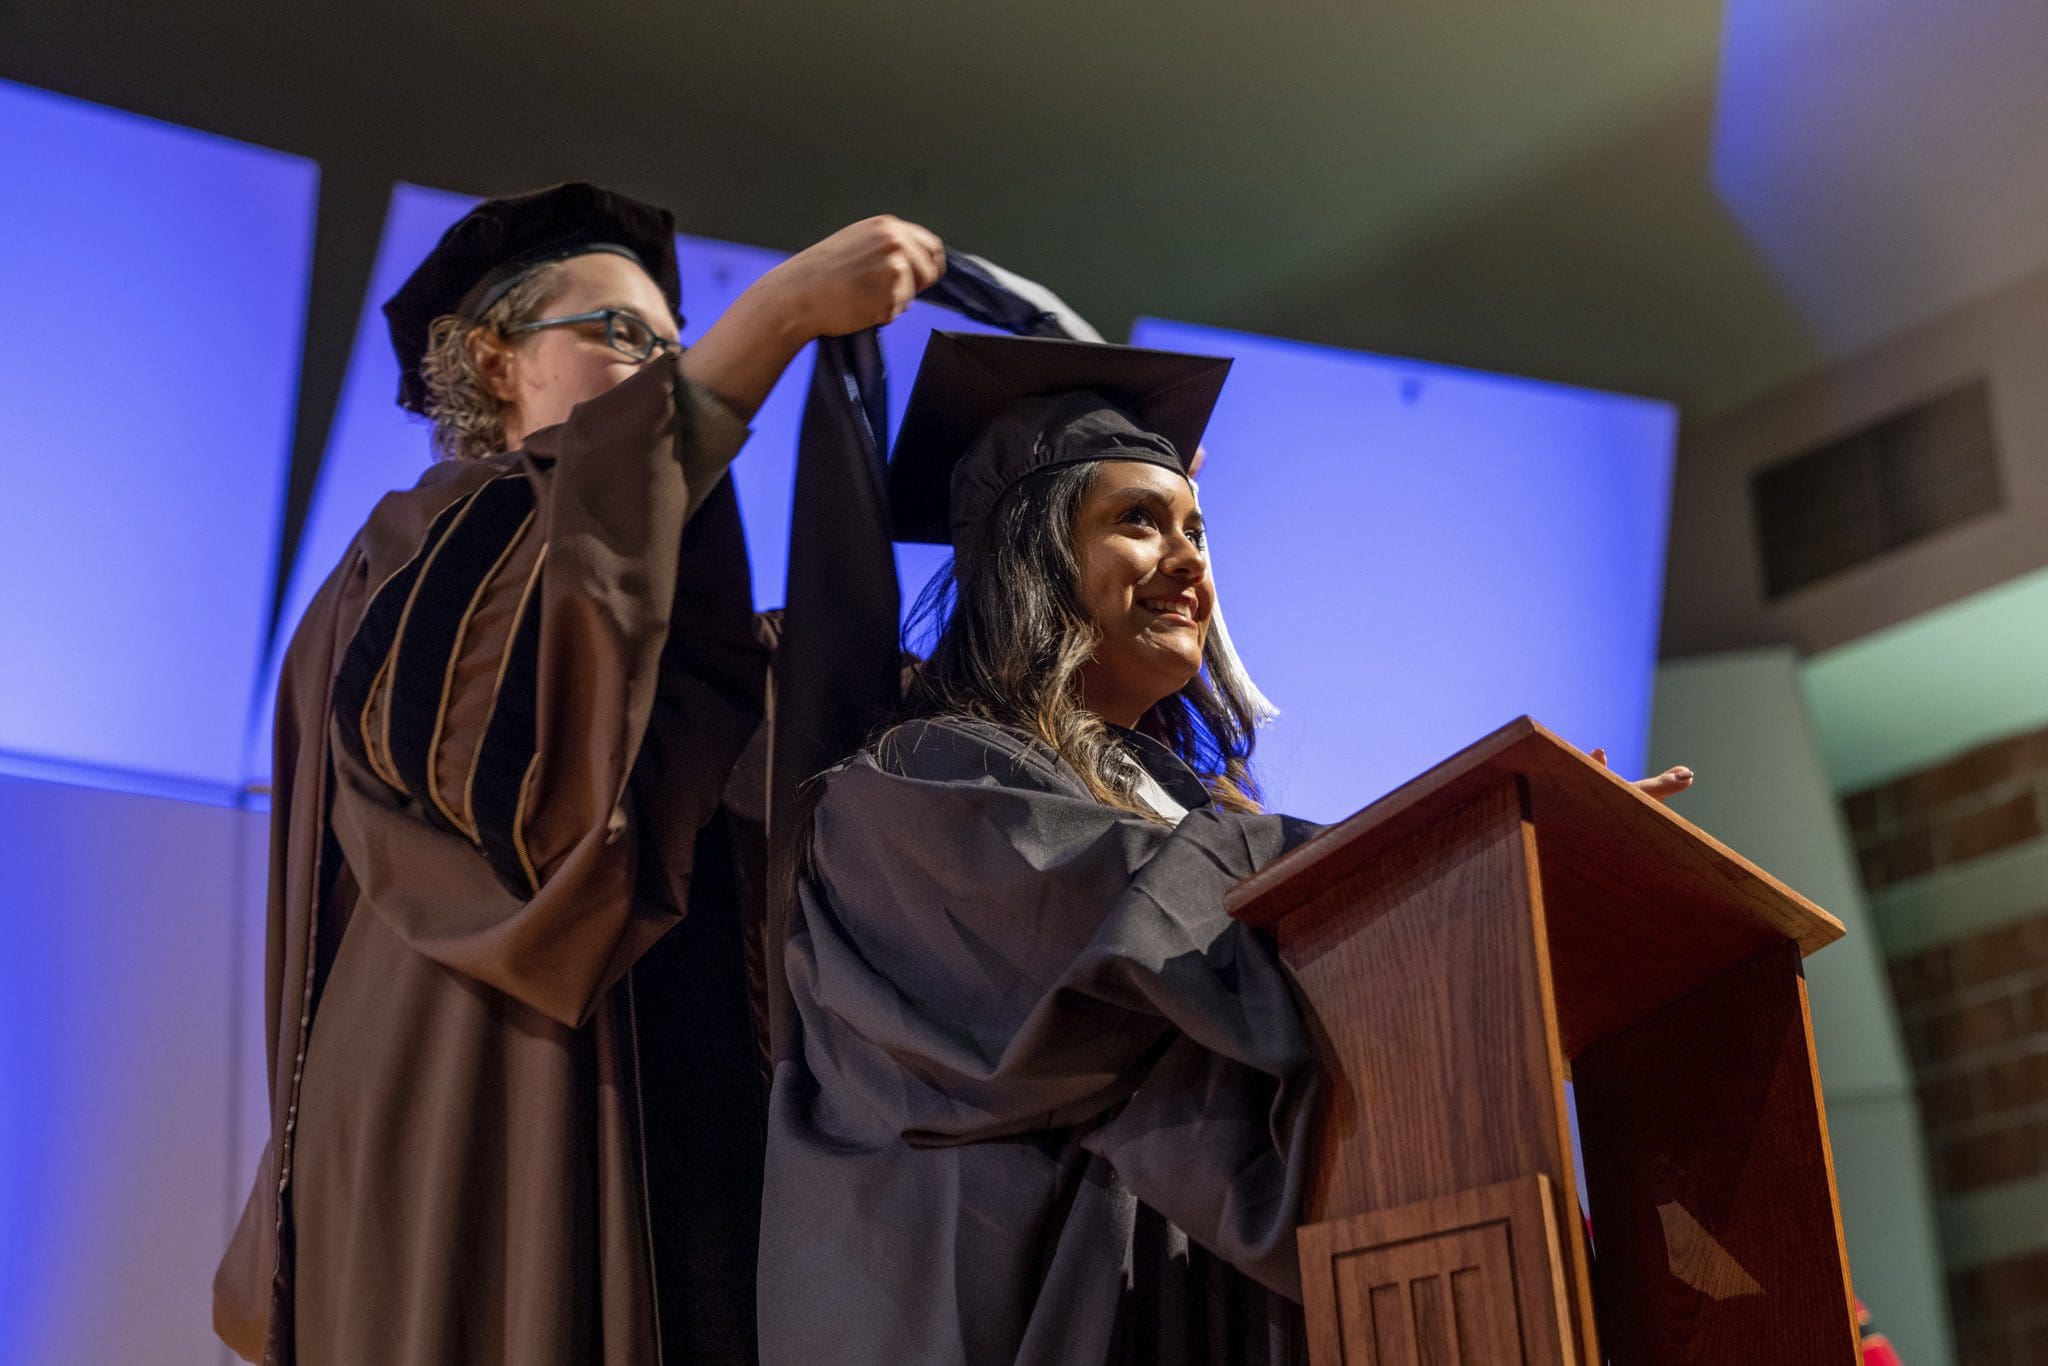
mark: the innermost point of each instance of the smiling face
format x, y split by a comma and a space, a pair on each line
1144, 584
541, 375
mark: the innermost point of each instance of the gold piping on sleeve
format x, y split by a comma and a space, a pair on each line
373, 749
497, 687
404, 617
464, 820
519, 821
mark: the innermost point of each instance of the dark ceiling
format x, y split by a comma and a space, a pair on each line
1519, 187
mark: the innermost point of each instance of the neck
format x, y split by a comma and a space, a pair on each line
1119, 707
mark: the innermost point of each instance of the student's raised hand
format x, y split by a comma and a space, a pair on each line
1663, 787
862, 276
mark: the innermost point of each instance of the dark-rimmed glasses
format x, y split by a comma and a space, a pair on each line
623, 332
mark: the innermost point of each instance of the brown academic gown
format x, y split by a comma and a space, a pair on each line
504, 730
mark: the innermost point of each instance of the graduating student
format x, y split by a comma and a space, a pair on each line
1045, 1102
516, 1110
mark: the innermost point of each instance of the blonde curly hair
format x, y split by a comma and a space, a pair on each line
469, 421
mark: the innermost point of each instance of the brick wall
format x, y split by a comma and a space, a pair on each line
1975, 1012
1960, 809
1999, 1312
1974, 1008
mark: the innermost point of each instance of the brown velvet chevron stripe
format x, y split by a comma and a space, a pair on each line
498, 786
361, 664
450, 581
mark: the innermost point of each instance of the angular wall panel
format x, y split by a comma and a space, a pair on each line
155, 282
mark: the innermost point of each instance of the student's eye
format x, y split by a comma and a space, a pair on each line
1138, 516
1199, 536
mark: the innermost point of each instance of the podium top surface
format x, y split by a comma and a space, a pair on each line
1585, 816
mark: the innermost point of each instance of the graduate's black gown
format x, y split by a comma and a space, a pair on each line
1048, 1103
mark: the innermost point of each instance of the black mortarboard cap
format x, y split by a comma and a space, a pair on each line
987, 411
499, 240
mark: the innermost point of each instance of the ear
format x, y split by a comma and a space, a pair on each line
497, 364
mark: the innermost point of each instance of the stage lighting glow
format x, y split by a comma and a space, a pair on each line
155, 280
1411, 555
1881, 158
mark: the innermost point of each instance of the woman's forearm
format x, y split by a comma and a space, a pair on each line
747, 349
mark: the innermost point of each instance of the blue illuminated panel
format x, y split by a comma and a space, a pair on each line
155, 282
377, 447
1411, 555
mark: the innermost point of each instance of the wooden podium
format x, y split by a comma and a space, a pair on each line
1516, 918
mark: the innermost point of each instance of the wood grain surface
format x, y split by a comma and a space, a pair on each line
1716, 1230
1516, 915
1462, 1280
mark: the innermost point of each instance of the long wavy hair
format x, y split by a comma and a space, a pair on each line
1010, 638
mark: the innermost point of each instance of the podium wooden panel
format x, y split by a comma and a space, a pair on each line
1515, 917
1468, 1277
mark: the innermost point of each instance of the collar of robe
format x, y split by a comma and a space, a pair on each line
1166, 767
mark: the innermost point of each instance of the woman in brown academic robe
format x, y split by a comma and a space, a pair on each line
504, 731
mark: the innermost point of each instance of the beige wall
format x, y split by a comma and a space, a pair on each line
1714, 590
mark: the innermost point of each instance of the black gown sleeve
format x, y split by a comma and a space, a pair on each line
986, 951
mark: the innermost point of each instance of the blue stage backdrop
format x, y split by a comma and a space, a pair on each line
376, 447
1410, 555
155, 284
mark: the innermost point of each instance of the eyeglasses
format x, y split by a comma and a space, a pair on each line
623, 332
